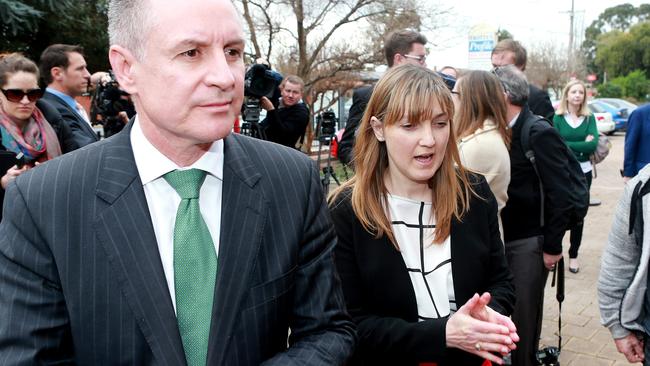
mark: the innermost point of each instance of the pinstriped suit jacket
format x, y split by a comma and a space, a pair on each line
81, 279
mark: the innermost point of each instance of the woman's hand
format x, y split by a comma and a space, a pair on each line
467, 331
589, 138
11, 174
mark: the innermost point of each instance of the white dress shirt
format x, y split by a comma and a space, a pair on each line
163, 200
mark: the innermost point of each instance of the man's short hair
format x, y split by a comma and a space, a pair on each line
401, 42
128, 22
515, 84
56, 55
293, 79
510, 45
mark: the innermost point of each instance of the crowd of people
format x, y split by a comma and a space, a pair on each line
179, 242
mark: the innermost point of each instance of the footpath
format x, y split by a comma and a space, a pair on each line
585, 342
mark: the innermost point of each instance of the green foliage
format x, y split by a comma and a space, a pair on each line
620, 53
633, 85
21, 16
62, 21
618, 18
610, 90
503, 34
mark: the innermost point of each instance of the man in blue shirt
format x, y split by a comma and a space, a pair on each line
64, 71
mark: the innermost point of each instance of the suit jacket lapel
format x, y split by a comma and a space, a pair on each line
126, 233
242, 224
75, 113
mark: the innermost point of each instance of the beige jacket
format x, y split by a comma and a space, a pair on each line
485, 152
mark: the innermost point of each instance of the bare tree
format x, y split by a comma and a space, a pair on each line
548, 67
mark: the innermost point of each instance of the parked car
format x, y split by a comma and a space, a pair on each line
619, 115
619, 103
605, 123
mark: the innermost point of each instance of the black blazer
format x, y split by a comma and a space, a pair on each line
81, 280
380, 296
63, 131
83, 133
520, 216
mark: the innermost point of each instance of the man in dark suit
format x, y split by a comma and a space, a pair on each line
173, 242
533, 246
511, 52
63, 69
403, 46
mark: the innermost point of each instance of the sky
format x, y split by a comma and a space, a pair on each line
530, 22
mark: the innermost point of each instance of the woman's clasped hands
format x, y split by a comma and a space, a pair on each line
476, 328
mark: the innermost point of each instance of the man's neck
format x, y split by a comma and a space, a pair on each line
60, 90
512, 111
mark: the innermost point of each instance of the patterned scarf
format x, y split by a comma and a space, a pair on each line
37, 141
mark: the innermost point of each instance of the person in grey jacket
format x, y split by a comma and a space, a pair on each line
623, 293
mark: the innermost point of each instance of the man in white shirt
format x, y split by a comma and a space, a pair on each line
173, 242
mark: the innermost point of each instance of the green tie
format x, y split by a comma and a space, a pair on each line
195, 266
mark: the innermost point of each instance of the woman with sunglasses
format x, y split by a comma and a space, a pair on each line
482, 131
421, 262
24, 131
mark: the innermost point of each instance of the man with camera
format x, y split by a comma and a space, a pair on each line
286, 124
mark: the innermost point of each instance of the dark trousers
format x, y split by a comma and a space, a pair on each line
576, 232
526, 262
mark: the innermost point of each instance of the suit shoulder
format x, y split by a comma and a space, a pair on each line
269, 153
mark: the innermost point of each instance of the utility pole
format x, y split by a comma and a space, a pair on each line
570, 55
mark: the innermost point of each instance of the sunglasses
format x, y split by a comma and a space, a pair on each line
16, 95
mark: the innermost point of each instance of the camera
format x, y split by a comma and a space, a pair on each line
108, 101
549, 356
259, 81
326, 121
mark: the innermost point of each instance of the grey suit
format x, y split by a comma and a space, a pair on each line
81, 278
81, 130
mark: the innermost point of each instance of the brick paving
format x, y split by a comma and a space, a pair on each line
584, 341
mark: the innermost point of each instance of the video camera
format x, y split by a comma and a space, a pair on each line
326, 122
108, 101
259, 81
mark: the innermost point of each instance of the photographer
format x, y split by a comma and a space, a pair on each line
111, 106
286, 124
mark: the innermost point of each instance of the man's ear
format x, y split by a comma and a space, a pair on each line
57, 73
123, 64
377, 128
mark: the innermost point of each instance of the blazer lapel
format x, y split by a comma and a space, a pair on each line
242, 224
126, 233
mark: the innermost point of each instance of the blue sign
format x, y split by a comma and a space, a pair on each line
481, 45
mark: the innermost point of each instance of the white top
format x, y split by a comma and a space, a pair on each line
428, 264
163, 200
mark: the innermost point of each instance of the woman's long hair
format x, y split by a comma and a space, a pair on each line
481, 98
563, 108
405, 90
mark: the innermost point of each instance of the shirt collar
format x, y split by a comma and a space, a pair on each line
66, 98
514, 120
152, 164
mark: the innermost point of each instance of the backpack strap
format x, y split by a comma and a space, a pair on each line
636, 211
530, 155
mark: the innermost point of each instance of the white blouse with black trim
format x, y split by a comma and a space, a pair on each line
428, 264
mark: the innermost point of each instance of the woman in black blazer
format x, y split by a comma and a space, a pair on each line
418, 236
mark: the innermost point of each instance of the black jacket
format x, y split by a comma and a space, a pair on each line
360, 99
540, 103
380, 296
83, 133
520, 216
63, 131
285, 125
